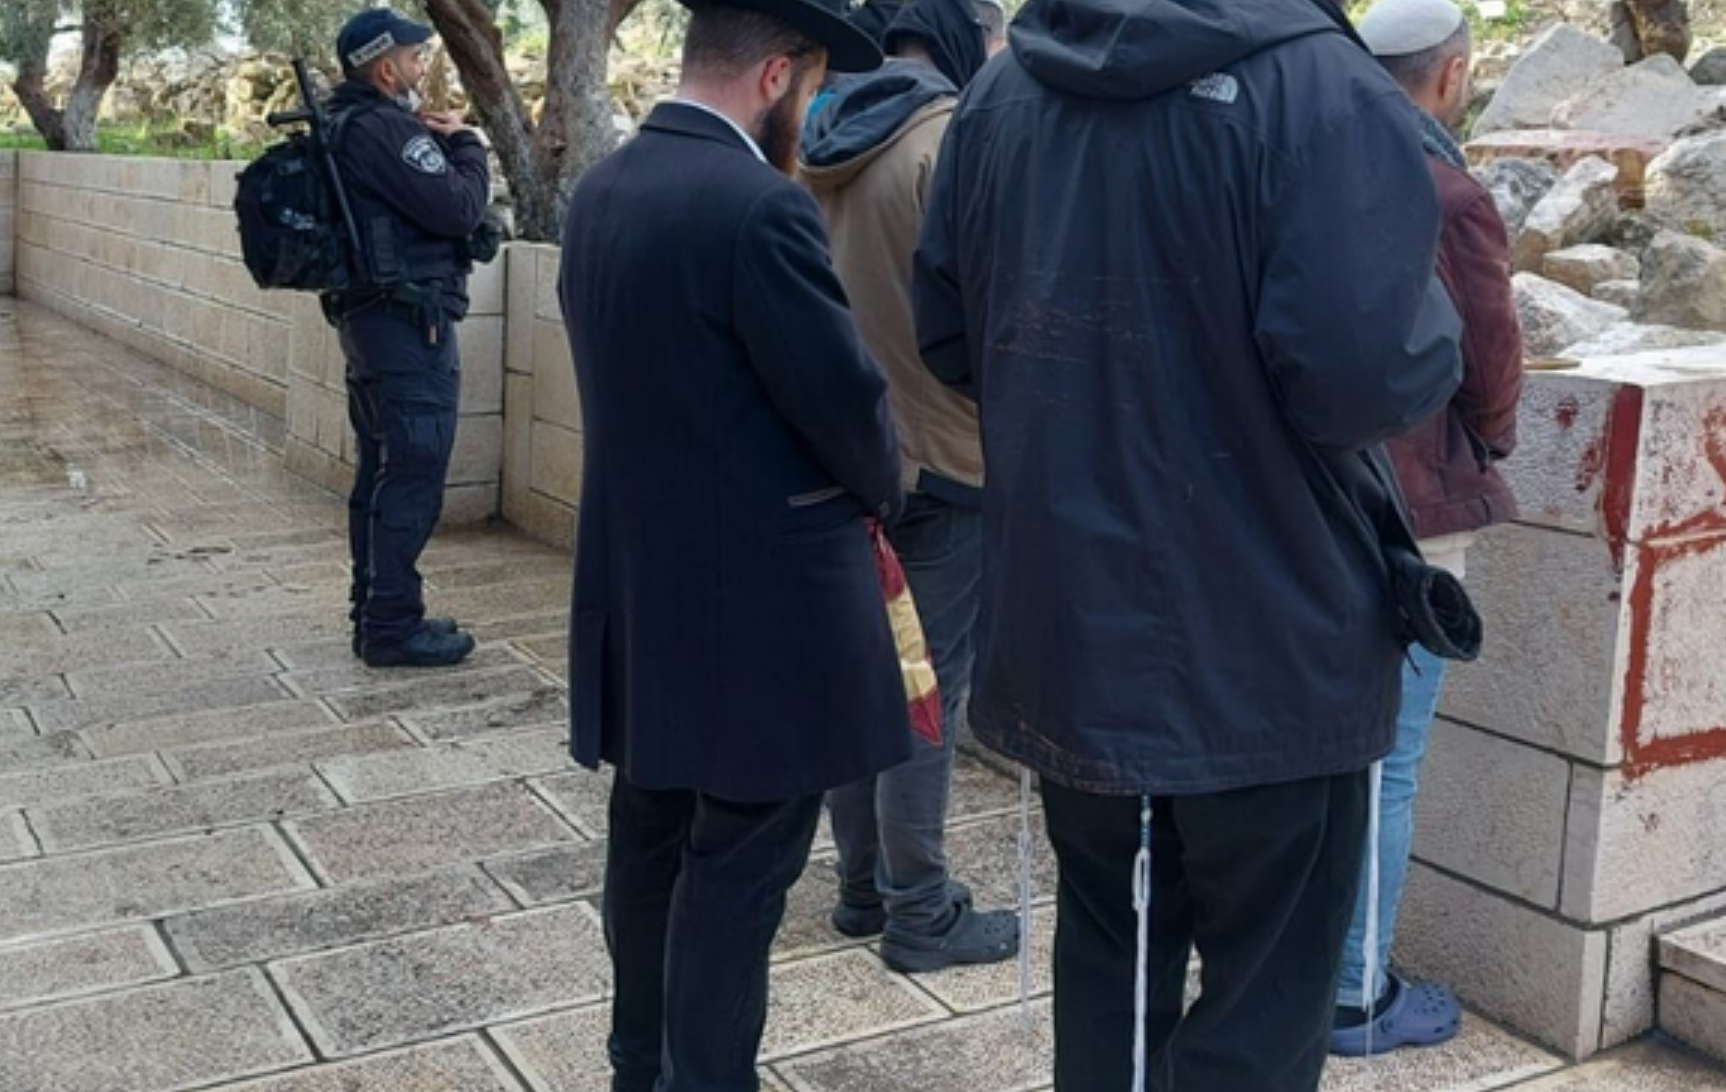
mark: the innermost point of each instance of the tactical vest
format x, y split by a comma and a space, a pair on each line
393, 249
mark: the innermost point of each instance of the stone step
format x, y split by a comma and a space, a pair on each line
1693, 986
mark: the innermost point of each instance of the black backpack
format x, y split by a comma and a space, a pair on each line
292, 233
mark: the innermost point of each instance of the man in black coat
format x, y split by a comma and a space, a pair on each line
1182, 251
730, 650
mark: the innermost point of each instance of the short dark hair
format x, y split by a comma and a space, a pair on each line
725, 41
1415, 70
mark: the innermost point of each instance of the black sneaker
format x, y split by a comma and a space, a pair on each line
424, 649
430, 625
974, 936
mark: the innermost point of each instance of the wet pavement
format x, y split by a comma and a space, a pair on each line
233, 857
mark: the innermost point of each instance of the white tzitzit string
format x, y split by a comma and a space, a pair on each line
1369, 943
1025, 893
1141, 970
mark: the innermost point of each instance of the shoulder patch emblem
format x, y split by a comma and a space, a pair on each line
1217, 87
423, 155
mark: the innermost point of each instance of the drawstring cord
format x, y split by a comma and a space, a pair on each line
1369, 943
1025, 893
1141, 969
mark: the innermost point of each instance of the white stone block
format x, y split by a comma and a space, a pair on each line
1538, 974
465, 505
1493, 811
1642, 843
1694, 1014
485, 288
543, 519
1631, 968
1546, 674
556, 398
546, 304
518, 438
521, 289
557, 459
478, 455
194, 182
1674, 674
482, 341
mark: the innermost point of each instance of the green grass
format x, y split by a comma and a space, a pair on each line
152, 140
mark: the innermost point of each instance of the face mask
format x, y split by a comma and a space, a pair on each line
410, 100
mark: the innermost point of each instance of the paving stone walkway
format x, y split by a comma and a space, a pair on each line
231, 857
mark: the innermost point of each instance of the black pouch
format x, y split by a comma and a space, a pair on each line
1432, 607
1435, 608
487, 239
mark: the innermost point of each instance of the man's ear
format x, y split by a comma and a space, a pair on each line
775, 79
1454, 77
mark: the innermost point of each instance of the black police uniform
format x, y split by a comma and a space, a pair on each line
417, 198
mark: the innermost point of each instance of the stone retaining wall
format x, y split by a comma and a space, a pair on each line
8, 219
1574, 797
146, 252
542, 412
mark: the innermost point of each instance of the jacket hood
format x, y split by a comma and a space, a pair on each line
864, 116
948, 30
1136, 49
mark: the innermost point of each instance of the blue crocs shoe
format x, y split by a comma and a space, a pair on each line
1418, 1015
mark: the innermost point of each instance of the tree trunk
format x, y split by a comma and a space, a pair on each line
97, 69
31, 89
540, 161
577, 128
475, 44
72, 128
1662, 26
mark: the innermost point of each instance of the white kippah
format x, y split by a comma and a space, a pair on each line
1397, 28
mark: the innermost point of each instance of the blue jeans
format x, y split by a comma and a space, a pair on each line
1421, 678
891, 828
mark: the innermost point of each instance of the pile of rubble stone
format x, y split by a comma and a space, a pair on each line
1612, 180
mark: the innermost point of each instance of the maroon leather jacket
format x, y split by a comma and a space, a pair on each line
1445, 465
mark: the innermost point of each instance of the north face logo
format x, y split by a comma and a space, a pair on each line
1217, 87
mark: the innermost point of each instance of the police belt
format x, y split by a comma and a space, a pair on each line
421, 304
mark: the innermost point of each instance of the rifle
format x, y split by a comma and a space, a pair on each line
312, 115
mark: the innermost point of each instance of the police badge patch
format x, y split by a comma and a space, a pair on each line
423, 155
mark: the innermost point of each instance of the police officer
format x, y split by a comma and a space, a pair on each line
419, 186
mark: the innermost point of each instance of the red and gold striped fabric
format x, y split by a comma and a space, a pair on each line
922, 694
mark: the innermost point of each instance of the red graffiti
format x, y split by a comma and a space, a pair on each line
1645, 755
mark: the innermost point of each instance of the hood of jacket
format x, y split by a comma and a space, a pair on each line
864, 117
1137, 49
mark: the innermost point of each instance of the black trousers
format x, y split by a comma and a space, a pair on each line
694, 892
1261, 881
403, 391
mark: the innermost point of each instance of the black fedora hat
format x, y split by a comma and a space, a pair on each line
848, 48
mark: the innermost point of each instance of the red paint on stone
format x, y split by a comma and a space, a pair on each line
1704, 744
1622, 436
1566, 412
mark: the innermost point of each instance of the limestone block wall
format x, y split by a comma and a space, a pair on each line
542, 411
1574, 798
8, 219
146, 252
